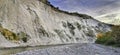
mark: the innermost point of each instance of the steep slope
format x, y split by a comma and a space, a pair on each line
36, 22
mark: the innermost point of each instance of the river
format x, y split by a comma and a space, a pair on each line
14, 50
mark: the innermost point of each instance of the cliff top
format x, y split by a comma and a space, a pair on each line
84, 16
58, 10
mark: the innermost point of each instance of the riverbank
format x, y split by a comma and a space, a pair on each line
74, 49
14, 50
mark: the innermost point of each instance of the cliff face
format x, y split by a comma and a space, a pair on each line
34, 22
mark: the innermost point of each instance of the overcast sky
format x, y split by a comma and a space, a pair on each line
90, 7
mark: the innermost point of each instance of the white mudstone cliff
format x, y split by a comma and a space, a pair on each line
36, 22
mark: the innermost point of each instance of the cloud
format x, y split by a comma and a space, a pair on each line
90, 7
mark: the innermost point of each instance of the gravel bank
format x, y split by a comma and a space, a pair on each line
75, 49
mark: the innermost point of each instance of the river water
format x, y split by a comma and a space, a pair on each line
69, 49
9, 51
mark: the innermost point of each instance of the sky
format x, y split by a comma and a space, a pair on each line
91, 7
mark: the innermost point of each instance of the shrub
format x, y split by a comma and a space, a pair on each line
110, 38
23, 36
104, 39
9, 35
116, 33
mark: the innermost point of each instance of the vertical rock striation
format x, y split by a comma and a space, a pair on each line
36, 22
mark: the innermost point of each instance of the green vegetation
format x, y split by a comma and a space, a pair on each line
23, 36
84, 16
11, 36
110, 38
